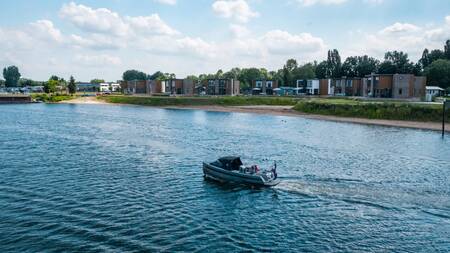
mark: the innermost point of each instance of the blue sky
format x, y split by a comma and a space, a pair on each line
101, 39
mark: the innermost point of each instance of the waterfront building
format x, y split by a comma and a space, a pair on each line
228, 87
265, 87
88, 87
168, 87
393, 86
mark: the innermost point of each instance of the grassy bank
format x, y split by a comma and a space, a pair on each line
54, 98
199, 101
372, 110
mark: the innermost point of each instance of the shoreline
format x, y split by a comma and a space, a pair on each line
283, 111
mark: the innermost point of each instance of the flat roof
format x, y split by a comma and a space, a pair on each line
433, 88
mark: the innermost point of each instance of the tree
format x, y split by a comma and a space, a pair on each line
232, 74
396, 62
219, 74
50, 86
97, 81
131, 75
287, 72
12, 76
350, 67
438, 73
334, 64
425, 60
304, 72
72, 86
321, 70
447, 49
248, 75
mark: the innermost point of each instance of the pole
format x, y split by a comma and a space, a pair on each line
443, 117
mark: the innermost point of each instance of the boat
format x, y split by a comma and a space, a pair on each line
230, 169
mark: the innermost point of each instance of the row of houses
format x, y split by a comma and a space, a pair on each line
374, 85
95, 87
185, 87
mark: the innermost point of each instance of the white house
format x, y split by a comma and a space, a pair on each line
109, 87
312, 87
433, 91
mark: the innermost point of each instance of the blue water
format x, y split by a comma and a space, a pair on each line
100, 178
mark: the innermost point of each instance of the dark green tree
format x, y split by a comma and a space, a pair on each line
304, 72
131, 75
72, 85
334, 65
12, 76
288, 72
438, 73
321, 70
396, 62
447, 49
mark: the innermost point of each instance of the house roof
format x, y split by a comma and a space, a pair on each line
434, 88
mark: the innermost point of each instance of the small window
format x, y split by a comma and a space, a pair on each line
400, 91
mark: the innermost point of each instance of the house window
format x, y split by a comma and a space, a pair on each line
258, 84
400, 91
269, 84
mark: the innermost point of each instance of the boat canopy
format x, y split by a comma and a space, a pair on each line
228, 162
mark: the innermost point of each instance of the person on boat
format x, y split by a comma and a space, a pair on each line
274, 170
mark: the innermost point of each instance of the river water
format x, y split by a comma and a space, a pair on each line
92, 178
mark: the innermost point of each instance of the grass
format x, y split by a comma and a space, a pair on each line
373, 110
53, 98
342, 107
199, 101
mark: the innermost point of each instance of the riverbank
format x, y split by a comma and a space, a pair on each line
273, 106
84, 100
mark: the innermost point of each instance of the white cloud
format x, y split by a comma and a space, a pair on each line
150, 25
102, 60
45, 30
239, 31
307, 3
95, 41
282, 42
100, 20
168, 2
406, 37
400, 28
238, 10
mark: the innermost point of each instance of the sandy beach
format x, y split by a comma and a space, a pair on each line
286, 111
84, 100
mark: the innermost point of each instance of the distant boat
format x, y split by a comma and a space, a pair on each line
230, 169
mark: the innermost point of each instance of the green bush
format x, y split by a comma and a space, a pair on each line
199, 101
390, 111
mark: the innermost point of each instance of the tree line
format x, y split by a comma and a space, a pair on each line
434, 64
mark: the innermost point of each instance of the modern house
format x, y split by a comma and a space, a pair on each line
312, 87
264, 87
347, 86
88, 87
109, 87
393, 86
149, 87
326, 87
229, 87
178, 87
433, 91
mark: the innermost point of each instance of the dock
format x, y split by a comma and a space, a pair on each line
15, 99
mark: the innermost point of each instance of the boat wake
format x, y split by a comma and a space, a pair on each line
358, 192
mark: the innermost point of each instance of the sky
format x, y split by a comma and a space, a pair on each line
102, 38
